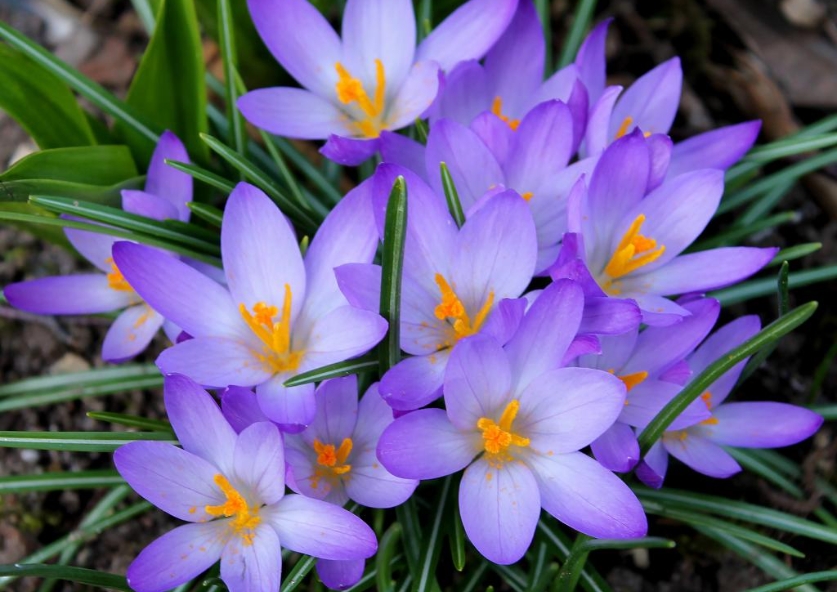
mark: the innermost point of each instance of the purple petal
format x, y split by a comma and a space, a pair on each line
651, 101
253, 566
214, 362
596, 136
343, 333
320, 529
292, 408
609, 316
591, 60
659, 146
558, 87
467, 33
658, 311
177, 557
494, 132
415, 95
647, 399
371, 485
340, 575
617, 449
403, 151
360, 283
93, 246
374, 415
167, 182
424, 444
579, 105
717, 149
761, 425
176, 481
477, 382
500, 508
241, 408
585, 496
700, 454
71, 294
304, 475
337, 411
260, 463
504, 319
148, 205
349, 151
464, 95
293, 113
131, 333
651, 470
414, 382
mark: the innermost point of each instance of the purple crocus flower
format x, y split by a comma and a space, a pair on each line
373, 79
167, 191
281, 315
455, 281
761, 424
631, 243
515, 421
231, 489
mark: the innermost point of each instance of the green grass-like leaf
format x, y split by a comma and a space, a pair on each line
383, 559
298, 573
767, 286
432, 543
451, 195
79, 575
203, 175
794, 582
79, 441
131, 421
395, 232
336, 370
207, 213
226, 41
60, 480
582, 17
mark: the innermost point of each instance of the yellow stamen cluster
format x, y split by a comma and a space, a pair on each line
117, 281
498, 437
633, 252
350, 91
276, 352
497, 109
332, 461
244, 518
452, 309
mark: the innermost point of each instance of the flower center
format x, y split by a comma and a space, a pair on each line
497, 109
350, 91
633, 252
331, 461
276, 352
498, 437
117, 281
244, 518
452, 310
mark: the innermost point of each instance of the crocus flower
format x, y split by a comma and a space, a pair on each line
761, 424
231, 489
373, 79
454, 282
166, 193
631, 243
281, 315
517, 421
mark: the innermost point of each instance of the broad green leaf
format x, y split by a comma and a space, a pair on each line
392, 263
60, 480
91, 165
168, 86
24, 216
41, 103
71, 574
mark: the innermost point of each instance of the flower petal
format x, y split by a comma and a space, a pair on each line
349, 151
700, 454
241, 408
591, 60
360, 283
148, 205
415, 96
651, 470
213, 362
651, 101
69, 294
617, 449
337, 411
403, 151
343, 333
131, 333
292, 408
253, 566
464, 95
415, 381
93, 246
260, 463
717, 149
340, 575
167, 182
293, 113
371, 485
761, 425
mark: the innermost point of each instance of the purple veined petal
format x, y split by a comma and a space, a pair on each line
337, 411
320, 529
564, 410
478, 381
609, 316
494, 132
261, 255
341, 334
371, 485
301, 40
292, 408
69, 294
579, 106
648, 398
415, 381
651, 101
559, 86
582, 345
93, 246
658, 311
659, 146
679, 373
194, 414
340, 575
177, 557
373, 416
422, 332
131, 333
761, 425
596, 137
504, 319
382, 30
464, 95
214, 362
472, 166
705, 270
591, 60
172, 331
349, 151
185, 296
717, 149
302, 477
241, 408
567, 267
360, 283
403, 151
500, 508
617, 449
253, 566
175, 480
415, 96
148, 205
545, 333
585, 496
496, 252
468, 33
293, 112
515, 63
700, 454
260, 463
651, 470
616, 350
167, 182
212, 272
424, 444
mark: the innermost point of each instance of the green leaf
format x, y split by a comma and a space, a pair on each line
698, 385
392, 263
431, 545
298, 573
411, 539
207, 213
456, 536
79, 441
451, 195
204, 175
581, 20
795, 252
590, 579
383, 559
794, 582
168, 86
71, 574
226, 40
337, 370
40, 103
90, 165
767, 286
60, 480
735, 234
28, 218
131, 421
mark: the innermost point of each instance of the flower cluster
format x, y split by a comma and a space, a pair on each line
561, 311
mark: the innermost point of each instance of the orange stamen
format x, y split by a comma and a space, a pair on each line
244, 518
117, 281
498, 437
451, 308
633, 252
276, 353
497, 109
350, 90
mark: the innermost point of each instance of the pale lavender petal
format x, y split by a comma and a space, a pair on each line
651, 470
582, 345
303, 476
559, 86
340, 575
371, 485
167, 182
617, 449
464, 95
717, 149
585, 496
176, 481
292, 408
337, 411
500, 508
293, 113
494, 132
148, 205
241, 407
131, 333
679, 373
467, 33
596, 137
647, 399
374, 415
177, 557
651, 101
424, 444
415, 381
93, 246
214, 362
579, 105
761, 425
591, 60
504, 319
415, 95
70, 294
478, 381
658, 311
360, 283
609, 316
700, 454
260, 462
403, 151
349, 151
254, 566
341, 334
659, 145
320, 529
